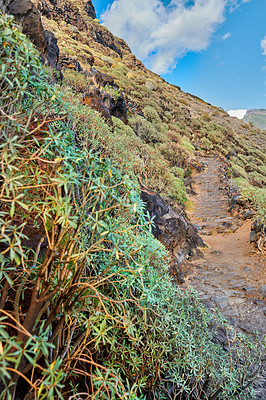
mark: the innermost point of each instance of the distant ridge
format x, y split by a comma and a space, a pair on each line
257, 117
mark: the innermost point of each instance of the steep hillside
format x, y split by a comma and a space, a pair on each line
92, 146
165, 127
257, 117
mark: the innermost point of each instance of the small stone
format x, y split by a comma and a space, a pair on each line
248, 214
260, 303
220, 301
216, 252
263, 290
253, 237
249, 288
247, 327
199, 267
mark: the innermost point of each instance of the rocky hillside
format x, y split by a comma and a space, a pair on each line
256, 117
92, 146
165, 126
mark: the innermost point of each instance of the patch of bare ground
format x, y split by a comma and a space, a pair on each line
231, 275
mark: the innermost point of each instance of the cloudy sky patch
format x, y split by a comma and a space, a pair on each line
237, 113
263, 45
227, 36
160, 34
183, 39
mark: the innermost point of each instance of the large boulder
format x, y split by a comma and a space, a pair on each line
116, 106
28, 16
106, 104
174, 230
52, 49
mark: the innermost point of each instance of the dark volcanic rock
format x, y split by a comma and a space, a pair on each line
52, 50
253, 236
27, 15
70, 62
105, 38
115, 106
101, 80
106, 104
248, 214
220, 301
178, 235
93, 100
89, 8
66, 10
62, 10
258, 233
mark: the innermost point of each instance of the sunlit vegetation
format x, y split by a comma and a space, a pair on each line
87, 304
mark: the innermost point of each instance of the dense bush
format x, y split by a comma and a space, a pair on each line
151, 115
87, 304
174, 153
145, 129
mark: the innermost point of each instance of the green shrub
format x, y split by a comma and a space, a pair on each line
255, 194
216, 137
173, 136
119, 70
151, 115
174, 153
136, 94
258, 178
76, 80
179, 172
87, 304
152, 103
188, 146
144, 129
182, 101
206, 117
206, 144
167, 116
115, 93
237, 171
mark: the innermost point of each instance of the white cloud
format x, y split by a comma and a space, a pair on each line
227, 36
234, 4
237, 113
159, 35
263, 45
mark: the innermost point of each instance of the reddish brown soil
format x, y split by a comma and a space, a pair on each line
231, 273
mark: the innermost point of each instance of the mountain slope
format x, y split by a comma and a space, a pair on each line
169, 125
88, 308
257, 117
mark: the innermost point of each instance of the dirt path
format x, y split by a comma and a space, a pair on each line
231, 275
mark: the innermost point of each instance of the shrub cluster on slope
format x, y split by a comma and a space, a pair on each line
87, 307
164, 114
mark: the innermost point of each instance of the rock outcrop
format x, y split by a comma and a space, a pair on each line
258, 234
80, 16
52, 49
106, 104
89, 8
28, 16
172, 228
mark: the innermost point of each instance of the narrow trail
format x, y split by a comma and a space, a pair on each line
231, 274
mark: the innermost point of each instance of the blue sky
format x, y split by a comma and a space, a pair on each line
211, 48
